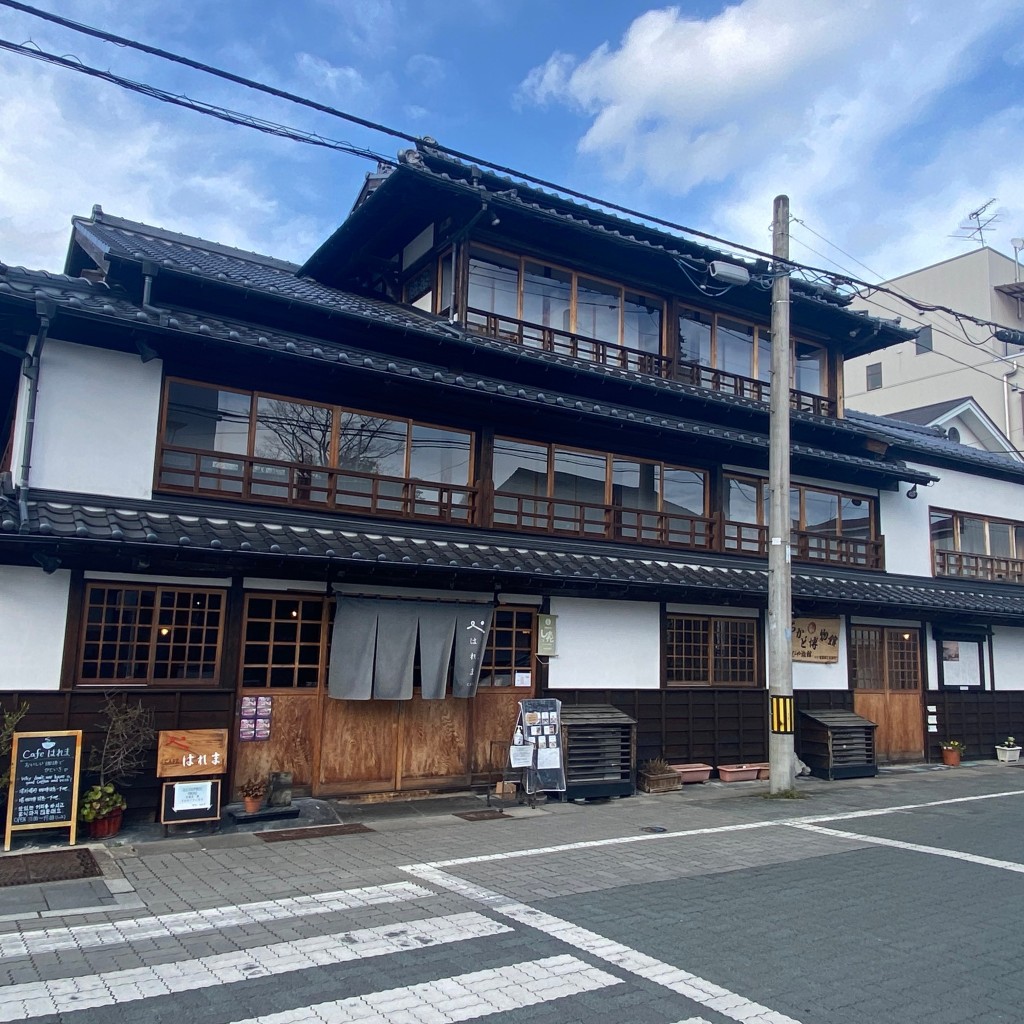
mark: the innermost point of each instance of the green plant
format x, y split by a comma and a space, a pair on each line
953, 745
99, 801
253, 788
10, 723
1008, 742
656, 766
128, 735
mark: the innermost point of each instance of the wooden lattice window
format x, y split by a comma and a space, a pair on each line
884, 659
710, 651
284, 641
867, 659
510, 648
150, 634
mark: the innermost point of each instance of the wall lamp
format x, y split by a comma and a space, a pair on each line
146, 353
912, 493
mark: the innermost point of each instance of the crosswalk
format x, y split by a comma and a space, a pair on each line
342, 983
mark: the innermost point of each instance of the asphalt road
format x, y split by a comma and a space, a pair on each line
889, 900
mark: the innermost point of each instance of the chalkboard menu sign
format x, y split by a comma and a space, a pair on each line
44, 782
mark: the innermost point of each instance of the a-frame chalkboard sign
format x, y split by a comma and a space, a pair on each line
44, 782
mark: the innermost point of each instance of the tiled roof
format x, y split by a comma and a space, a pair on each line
308, 542
77, 294
931, 443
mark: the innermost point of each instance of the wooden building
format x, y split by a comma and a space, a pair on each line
475, 404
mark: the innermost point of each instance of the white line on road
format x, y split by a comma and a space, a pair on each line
463, 997
935, 851
215, 918
705, 993
42, 998
592, 844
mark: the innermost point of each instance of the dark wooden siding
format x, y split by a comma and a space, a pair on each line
979, 719
80, 709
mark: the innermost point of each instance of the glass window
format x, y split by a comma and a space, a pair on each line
206, 418
734, 344
283, 641
547, 295
509, 652
635, 484
439, 455
372, 444
598, 309
856, 517
292, 432
1000, 544
493, 283
444, 299
710, 651
695, 337
972, 535
684, 492
520, 468
809, 368
743, 501
580, 476
642, 323
943, 538
821, 512
873, 375
764, 355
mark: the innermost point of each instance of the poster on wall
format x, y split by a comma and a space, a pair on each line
961, 663
254, 720
816, 640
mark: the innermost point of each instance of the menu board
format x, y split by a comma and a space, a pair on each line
44, 782
539, 731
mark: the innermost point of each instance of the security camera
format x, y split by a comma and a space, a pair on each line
728, 273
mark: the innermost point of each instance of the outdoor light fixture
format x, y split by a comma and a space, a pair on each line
146, 354
48, 563
912, 493
728, 273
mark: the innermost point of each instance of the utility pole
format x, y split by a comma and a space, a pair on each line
781, 752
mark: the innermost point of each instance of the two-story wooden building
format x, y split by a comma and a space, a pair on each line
353, 486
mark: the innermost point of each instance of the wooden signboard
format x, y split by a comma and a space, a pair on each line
190, 801
816, 640
44, 782
184, 752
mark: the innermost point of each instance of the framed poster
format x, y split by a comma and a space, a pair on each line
194, 800
44, 782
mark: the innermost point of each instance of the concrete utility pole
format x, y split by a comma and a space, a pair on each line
782, 714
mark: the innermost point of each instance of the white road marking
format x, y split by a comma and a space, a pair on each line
935, 851
705, 993
463, 997
37, 999
192, 921
591, 844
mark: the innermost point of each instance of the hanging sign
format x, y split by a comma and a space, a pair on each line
183, 752
547, 636
44, 782
816, 640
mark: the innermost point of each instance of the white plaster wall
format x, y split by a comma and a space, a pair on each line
905, 522
33, 619
97, 415
1008, 658
606, 645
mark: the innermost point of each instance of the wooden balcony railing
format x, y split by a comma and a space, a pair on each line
267, 480
978, 567
550, 339
603, 522
746, 387
856, 552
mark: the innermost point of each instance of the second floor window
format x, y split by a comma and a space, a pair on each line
977, 546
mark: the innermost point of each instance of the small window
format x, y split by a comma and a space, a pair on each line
874, 376
953, 434
284, 641
710, 651
923, 342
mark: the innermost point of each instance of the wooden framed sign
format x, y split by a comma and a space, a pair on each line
184, 752
194, 800
44, 782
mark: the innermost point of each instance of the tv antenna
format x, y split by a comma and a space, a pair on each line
972, 227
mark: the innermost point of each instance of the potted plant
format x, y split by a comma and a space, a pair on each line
252, 792
1008, 750
951, 752
658, 776
127, 737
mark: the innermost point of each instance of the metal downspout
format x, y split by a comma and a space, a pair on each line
45, 311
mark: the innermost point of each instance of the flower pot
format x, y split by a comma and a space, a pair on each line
107, 826
663, 782
950, 756
693, 772
1008, 754
252, 803
738, 772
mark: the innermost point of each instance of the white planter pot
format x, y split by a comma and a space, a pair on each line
1008, 754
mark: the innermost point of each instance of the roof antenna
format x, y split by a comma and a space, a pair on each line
975, 223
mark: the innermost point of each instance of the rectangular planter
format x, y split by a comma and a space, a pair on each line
1008, 754
763, 769
693, 772
664, 783
738, 772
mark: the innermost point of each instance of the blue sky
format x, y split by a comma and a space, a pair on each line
885, 121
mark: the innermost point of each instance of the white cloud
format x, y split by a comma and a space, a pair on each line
771, 96
342, 82
427, 70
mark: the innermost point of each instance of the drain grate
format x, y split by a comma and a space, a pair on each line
488, 815
34, 868
282, 835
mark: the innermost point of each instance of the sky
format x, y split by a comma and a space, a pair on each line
885, 121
